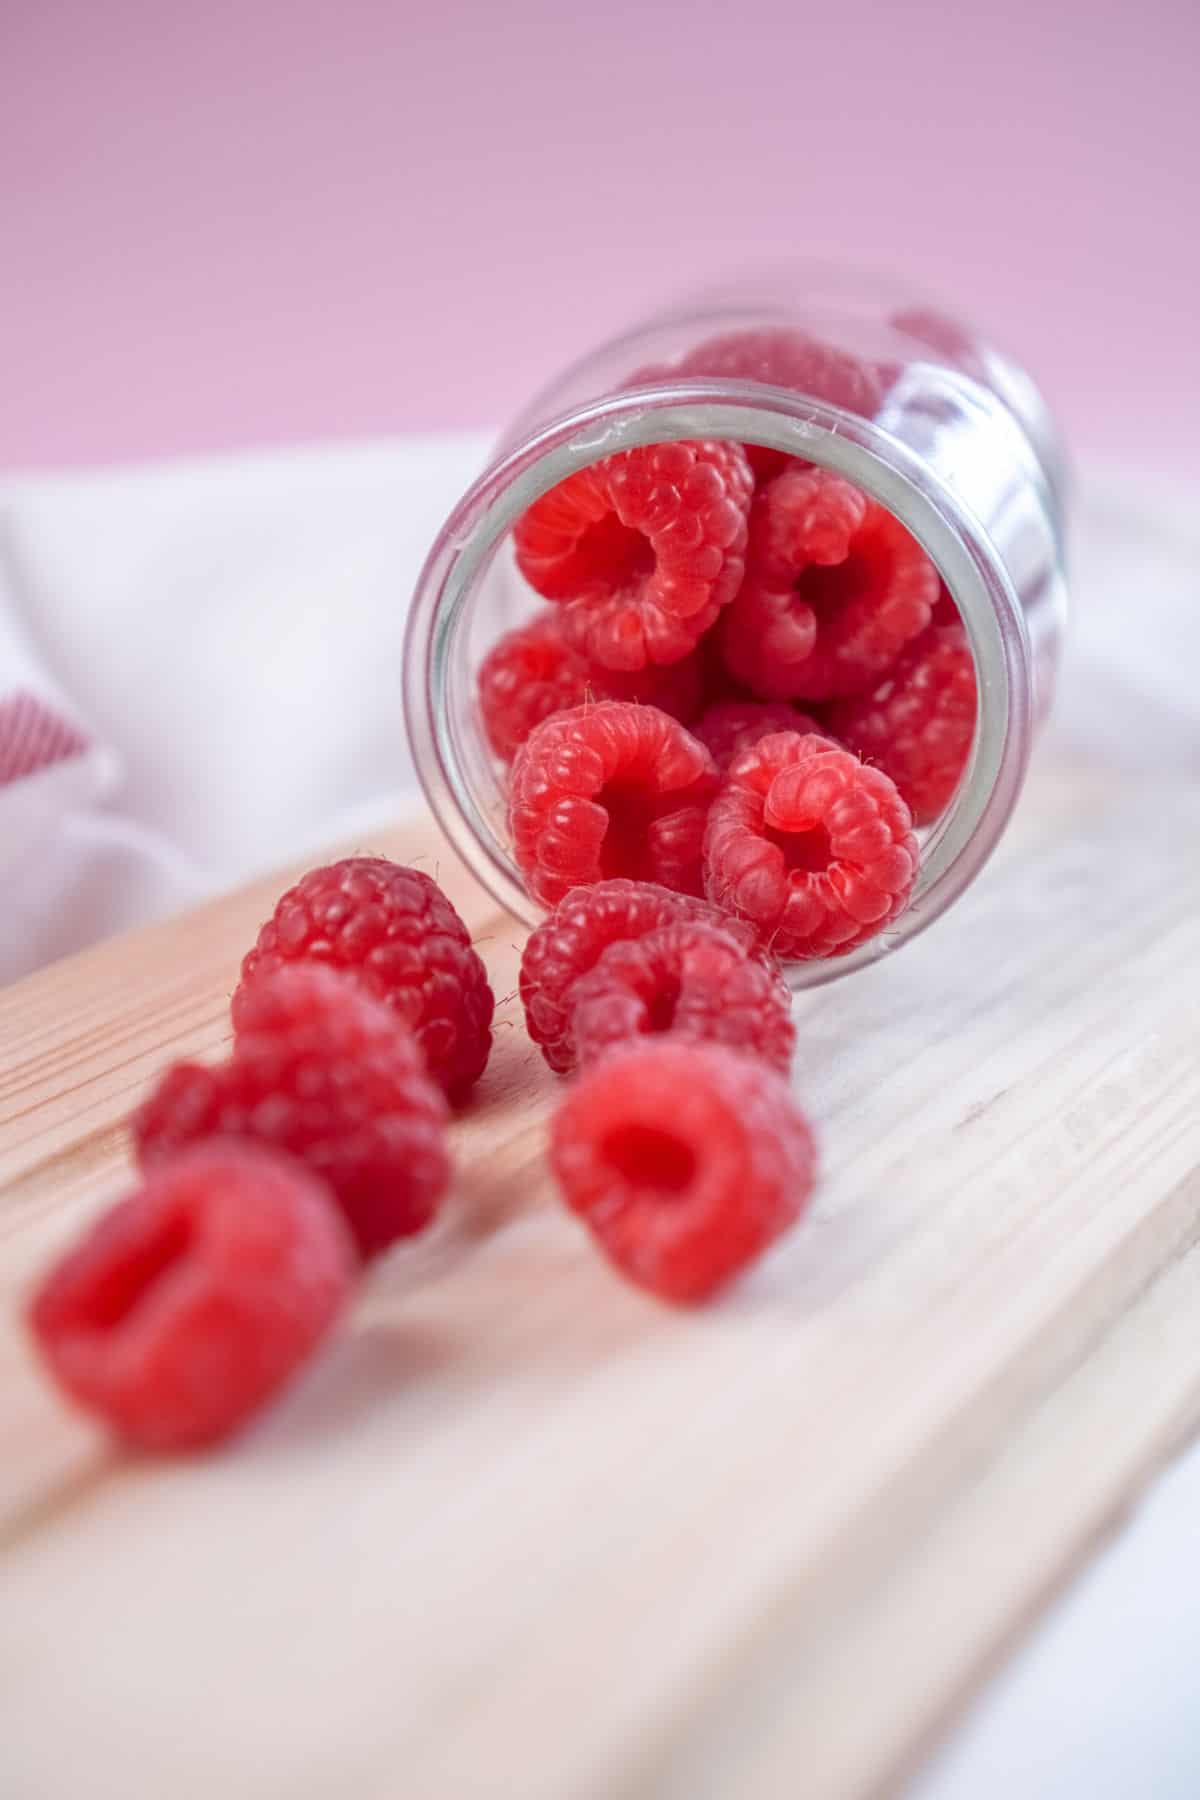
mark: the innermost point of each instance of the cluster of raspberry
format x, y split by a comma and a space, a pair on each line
746, 691
362, 1020
750, 684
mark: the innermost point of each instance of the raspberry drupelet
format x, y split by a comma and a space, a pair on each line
189, 1304
938, 332
643, 548
323, 1072
394, 931
812, 846
729, 726
689, 979
564, 947
918, 724
532, 672
835, 589
684, 1160
607, 790
788, 359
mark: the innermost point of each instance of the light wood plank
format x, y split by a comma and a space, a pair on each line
525, 1532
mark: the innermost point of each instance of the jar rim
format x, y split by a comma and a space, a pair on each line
779, 419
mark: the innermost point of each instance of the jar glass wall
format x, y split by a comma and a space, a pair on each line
837, 371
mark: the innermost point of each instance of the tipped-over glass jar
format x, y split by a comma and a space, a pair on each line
836, 371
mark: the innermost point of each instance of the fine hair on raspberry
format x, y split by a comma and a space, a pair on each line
325, 1073
609, 790
692, 981
729, 726
835, 588
533, 671
392, 930
642, 548
918, 723
812, 846
685, 1161
567, 944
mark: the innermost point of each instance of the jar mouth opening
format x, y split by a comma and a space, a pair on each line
957, 845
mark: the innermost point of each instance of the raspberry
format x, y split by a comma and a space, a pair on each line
809, 844
919, 723
691, 980
395, 931
189, 1304
937, 332
945, 612
325, 1073
533, 672
728, 726
627, 634
610, 789
763, 462
685, 1161
646, 546
787, 359
835, 588
568, 944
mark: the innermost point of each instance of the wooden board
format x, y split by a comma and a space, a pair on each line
525, 1533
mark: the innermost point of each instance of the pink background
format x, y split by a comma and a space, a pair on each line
252, 221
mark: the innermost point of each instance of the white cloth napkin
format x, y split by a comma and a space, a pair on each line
200, 679
203, 661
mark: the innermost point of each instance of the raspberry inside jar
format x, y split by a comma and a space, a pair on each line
709, 535
792, 582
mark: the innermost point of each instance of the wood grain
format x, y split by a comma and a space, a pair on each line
524, 1533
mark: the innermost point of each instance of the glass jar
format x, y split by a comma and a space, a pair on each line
837, 370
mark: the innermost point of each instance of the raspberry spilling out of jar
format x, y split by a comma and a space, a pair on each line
744, 687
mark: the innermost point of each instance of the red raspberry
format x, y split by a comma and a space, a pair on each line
189, 1304
610, 789
766, 463
395, 931
937, 332
919, 723
835, 588
945, 612
691, 980
628, 635
729, 726
651, 540
763, 462
809, 844
325, 1073
533, 672
566, 945
788, 359
685, 1161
